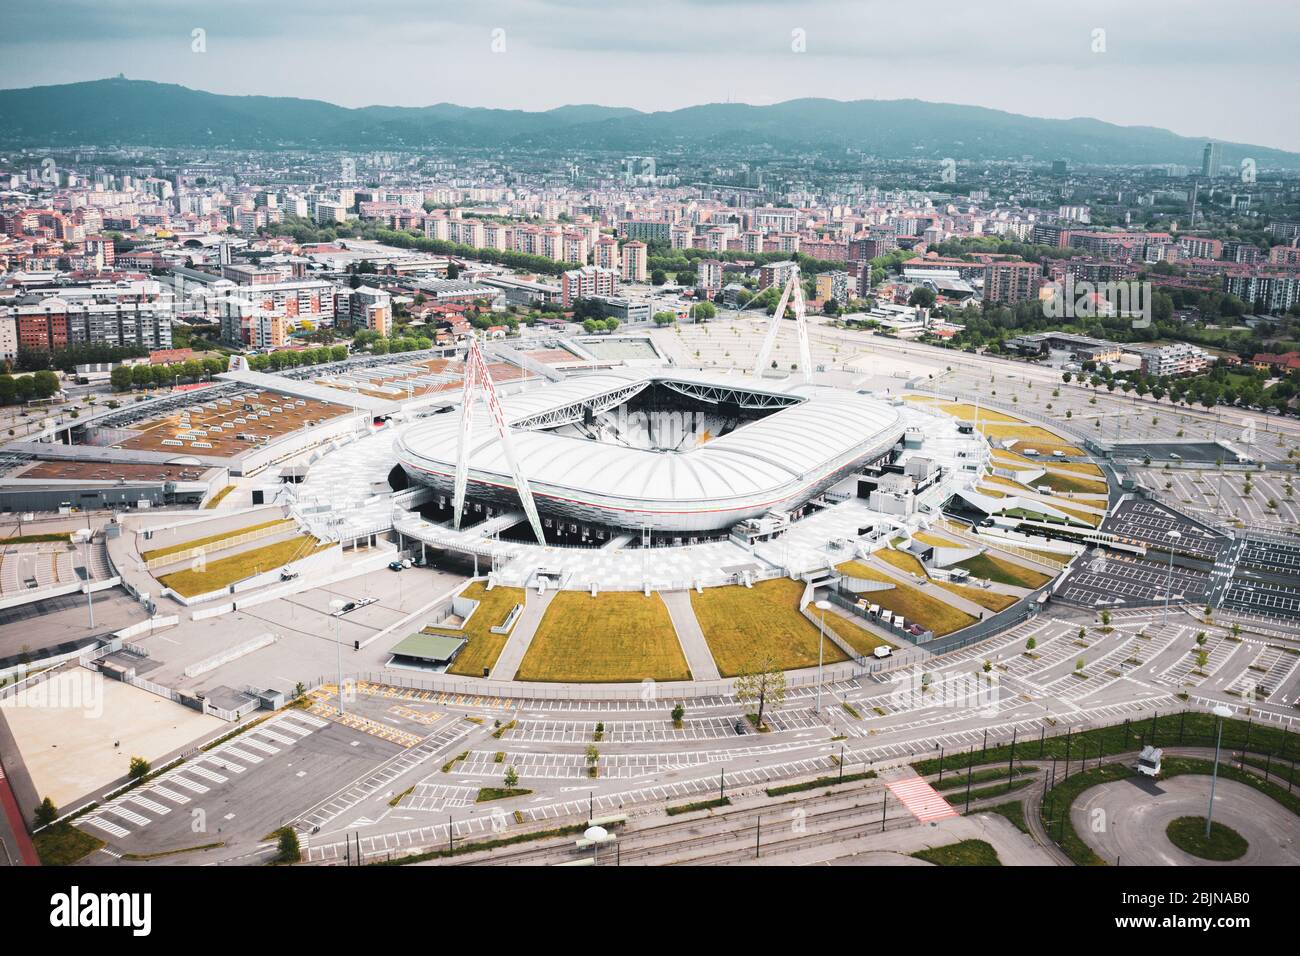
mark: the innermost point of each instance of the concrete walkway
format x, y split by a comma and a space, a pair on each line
941, 594
698, 656
512, 654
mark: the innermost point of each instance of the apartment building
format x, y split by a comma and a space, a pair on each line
1010, 282
586, 283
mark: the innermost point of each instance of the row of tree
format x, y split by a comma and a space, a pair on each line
126, 377
17, 389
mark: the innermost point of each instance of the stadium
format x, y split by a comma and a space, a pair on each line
661, 450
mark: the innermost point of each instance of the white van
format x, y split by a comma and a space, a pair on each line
1148, 762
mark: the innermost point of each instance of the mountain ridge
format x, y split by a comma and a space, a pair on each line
126, 112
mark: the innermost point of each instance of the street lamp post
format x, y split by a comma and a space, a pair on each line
822, 606
336, 606
85, 537
1169, 576
1221, 712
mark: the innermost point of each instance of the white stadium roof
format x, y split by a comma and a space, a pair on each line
761, 465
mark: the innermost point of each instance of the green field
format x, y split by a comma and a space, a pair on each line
226, 571
484, 647
211, 539
929, 611
743, 625
965, 853
615, 637
993, 568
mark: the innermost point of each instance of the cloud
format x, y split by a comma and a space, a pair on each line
1172, 63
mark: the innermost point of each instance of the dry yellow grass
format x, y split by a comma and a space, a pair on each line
1055, 445
1082, 467
226, 571
992, 600
743, 625
927, 610
217, 498
903, 561
484, 647
212, 538
615, 637
1072, 483
967, 412
991, 567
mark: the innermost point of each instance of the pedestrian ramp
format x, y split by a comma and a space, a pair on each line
922, 800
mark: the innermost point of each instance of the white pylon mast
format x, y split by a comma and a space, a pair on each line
476, 378
793, 287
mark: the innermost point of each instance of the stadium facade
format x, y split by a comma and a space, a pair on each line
663, 450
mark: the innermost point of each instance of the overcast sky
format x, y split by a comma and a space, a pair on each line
1226, 70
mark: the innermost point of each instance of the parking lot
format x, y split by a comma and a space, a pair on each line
1119, 579
239, 791
1152, 524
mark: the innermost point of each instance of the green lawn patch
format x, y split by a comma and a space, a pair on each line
763, 622
965, 853
992, 568
1223, 845
615, 637
1015, 812
500, 793
483, 647
62, 844
699, 805
212, 538
819, 782
226, 571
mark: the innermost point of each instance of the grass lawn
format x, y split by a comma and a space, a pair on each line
903, 561
742, 625
484, 647
226, 571
1040, 445
993, 568
216, 499
62, 844
931, 612
966, 412
35, 538
210, 539
992, 600
1062, 483
1015, 812
614, 637
500, 793
854, 634
1224, 844
928, 537
965, 853
1082, 467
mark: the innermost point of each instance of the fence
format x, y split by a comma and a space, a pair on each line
177, 557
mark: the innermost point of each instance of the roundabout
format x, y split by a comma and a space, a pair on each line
1129, 821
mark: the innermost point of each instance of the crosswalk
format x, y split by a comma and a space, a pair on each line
198, 775
921, 799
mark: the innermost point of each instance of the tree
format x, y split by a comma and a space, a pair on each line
511, 778
287, 843
1031, 644
453, 271
46, 813
764, 682
678, 712
593, 760
139, 768
922, 297
664, 318
658, 277
120, 378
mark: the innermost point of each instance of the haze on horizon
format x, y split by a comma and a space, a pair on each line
1184, 66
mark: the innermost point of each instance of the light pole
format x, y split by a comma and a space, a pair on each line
1169, 576
1221, 712
336, 606
822, 606
85, 535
